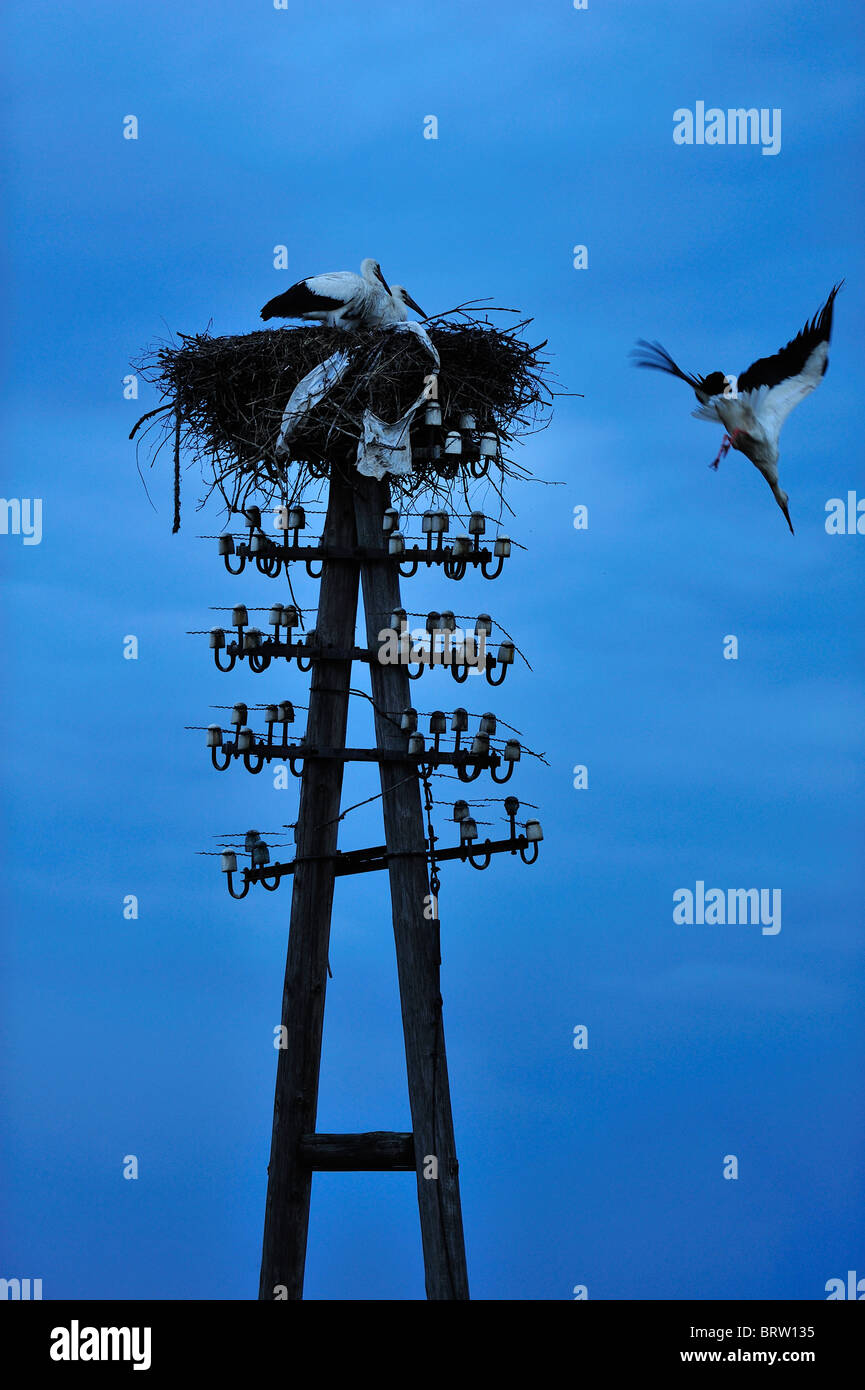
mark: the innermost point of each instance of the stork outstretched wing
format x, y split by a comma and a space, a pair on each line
773, 386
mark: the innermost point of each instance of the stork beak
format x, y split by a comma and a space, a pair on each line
412, 305
381, 277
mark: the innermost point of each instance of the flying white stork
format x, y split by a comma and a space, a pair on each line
753, 407
339, 299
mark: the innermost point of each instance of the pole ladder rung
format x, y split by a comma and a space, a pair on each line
380, 1151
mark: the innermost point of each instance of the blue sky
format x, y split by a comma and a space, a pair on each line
154, 1037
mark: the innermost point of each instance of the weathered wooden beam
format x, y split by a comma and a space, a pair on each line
359, 861
416, 935
380, 1151
424, 554
281, 752
286, 1219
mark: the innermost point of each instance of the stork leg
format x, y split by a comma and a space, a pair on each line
726, 442
725, 445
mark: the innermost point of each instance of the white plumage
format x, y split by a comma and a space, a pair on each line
401, 302
753, 407
338, 298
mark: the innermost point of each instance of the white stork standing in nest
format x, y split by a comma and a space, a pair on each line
753, 407
342, 299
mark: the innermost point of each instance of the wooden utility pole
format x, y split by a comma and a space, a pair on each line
355, 518
417, 937
289, 1181
224, 394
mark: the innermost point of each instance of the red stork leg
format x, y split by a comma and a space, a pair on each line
725, 447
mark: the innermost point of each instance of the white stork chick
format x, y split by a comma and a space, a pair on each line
338, 299
753, 407
402, 302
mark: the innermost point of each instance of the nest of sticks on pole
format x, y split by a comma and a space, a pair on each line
223, 401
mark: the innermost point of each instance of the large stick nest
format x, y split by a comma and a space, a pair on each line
223, 402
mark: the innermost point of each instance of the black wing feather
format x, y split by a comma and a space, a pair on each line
790, 360
297, 300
